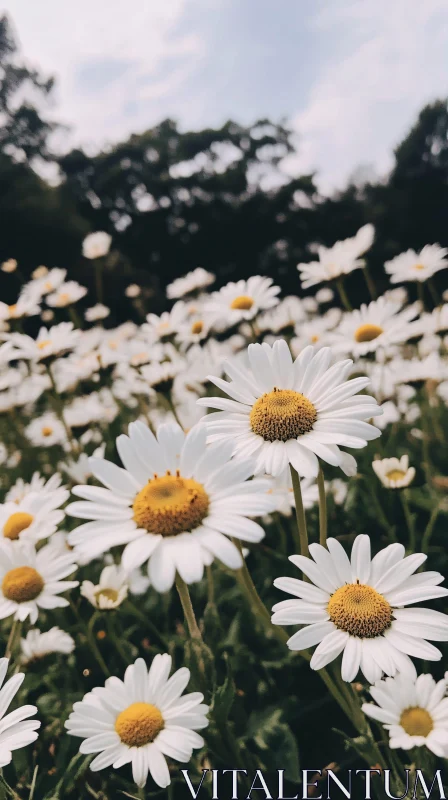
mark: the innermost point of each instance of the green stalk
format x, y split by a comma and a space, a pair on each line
369, 282
429, 529
343, 295
301, 538
412, 543
322, 507
187, 606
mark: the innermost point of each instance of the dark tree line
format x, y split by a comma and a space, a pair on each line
175, 200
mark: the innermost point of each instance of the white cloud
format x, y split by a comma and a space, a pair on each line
393, 62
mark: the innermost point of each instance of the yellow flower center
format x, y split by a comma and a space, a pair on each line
242, 303
170, 505
109, 594
360, 610
43, 344
139, 724
197, 327
368, 332
12, 309
314, 338
22, 584
281, 415
395, 474
17, 523
47, 430
419, 266
416, 721
63, 299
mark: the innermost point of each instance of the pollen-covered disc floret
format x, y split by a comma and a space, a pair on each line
17, 523
242, 303
170, 504
139, 724
368, 332
22, 584
416, 721
360, 610
281, 415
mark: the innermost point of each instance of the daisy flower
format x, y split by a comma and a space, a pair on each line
394, 473
282, 491
356, 607
46, 281
413, 711
315, 331
46, 431
37, 645
289, 312
412, 266
26, 306
242, 300
342, 258
382, 323
30, 580
111, 590
49, 342
284, 412
174, 504
96, 245
16, 728
199, 278
39, 484
33, 518
67, 293
140, 720
9, 266
133, 290
167, 325
99, 311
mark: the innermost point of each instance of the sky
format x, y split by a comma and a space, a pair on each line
350, 76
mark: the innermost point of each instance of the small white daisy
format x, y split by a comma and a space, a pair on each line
33, 518
414, 712
96, 245
356, 607
342, 258
174, 504
37, 645
99, 311
394, 473
281, 490
284, 412
21, 489
412, 266
31, 580
133, 290
199, 278
46, 281
46, 431
49, 342
382, 323
167, 325
16, 729
27, 305
67, 293
242, 300
140, 720
111, 590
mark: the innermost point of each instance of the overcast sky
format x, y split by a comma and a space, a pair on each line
350, 75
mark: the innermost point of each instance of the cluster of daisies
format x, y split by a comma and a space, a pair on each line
230, 407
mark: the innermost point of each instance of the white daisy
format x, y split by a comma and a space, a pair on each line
242, 300
67, 293
412, 266
49, 342
111, 590
31, 580
33, 518
46, 281
283, 412
356, 607
315, 331
140, 720
281, 490
174, 504
133, 290
27, 305
9, 266
167, 325
199, 278
37, 484
414, 712
394, 473
96, 245
382, 323
16, 729
46, 431
289, 312
99, 311
37, 645
342, 258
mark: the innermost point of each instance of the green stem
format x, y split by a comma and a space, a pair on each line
434, 293
322, 508
187, 607
421, 294
369, 282
210, 585
301, 542
110, 624
148, 624
58, 406
343, 295
429, 529
412, 543
11, 638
